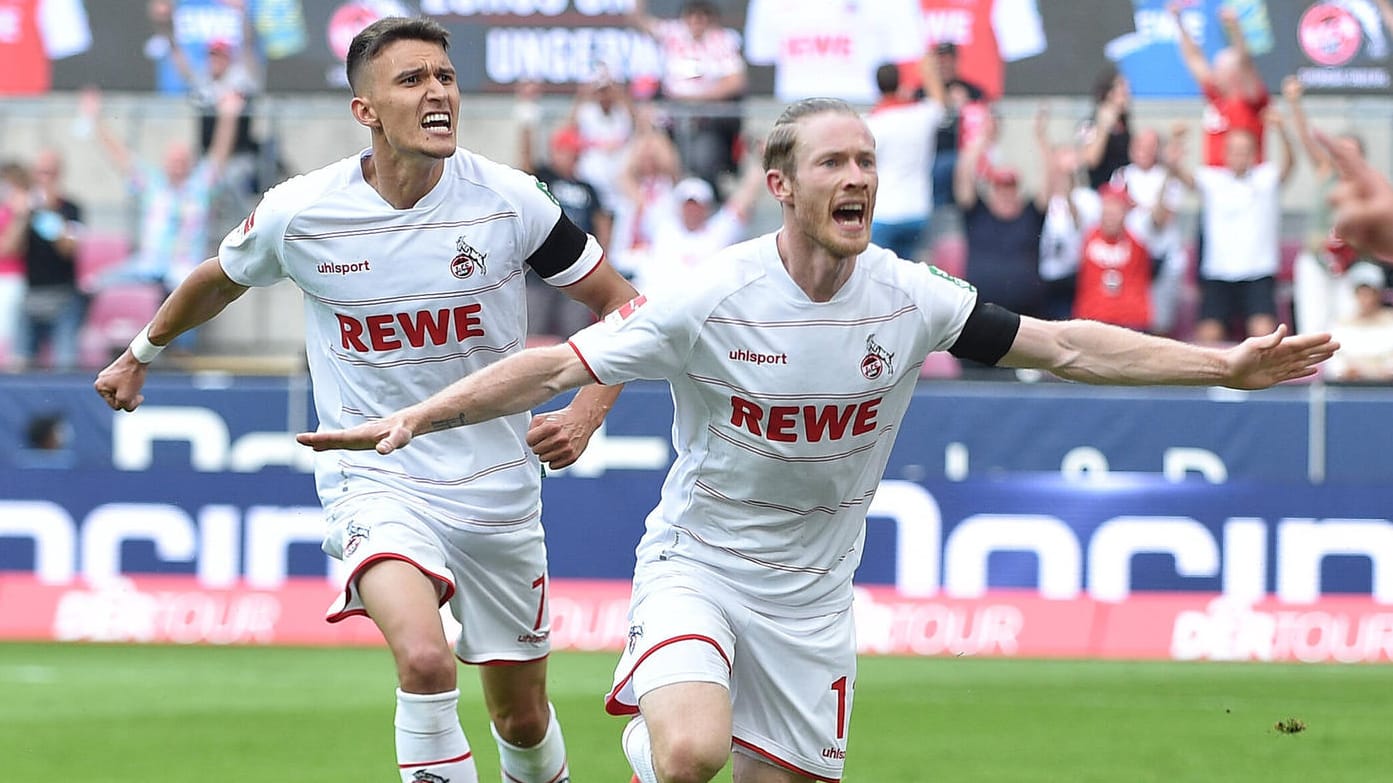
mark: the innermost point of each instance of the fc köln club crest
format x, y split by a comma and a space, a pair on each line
466, 260
877, 360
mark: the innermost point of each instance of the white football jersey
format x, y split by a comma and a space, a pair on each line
400, 303
785, 411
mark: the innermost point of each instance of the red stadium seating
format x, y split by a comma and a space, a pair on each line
114, 317
97, 253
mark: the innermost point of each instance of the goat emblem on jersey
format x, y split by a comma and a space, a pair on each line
467, 259
422, 776
877, 360
357, 534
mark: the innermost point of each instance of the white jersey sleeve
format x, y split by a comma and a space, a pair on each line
650, 337
944, 301
250, 254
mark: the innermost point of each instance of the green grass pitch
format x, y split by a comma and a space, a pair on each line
207, 714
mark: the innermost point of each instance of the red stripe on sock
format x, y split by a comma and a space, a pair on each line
454, 760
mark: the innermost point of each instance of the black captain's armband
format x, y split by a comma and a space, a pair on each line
561, 248
987, 335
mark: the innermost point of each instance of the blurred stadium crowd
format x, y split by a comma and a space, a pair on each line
1202, 218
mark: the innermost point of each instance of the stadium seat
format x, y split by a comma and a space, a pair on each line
115, 315
97, 253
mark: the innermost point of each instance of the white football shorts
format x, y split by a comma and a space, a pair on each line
495, 583
790, 679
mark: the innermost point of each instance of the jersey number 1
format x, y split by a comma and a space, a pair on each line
841, 688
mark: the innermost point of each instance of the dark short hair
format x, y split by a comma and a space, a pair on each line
376, 36
887, 78
783, 138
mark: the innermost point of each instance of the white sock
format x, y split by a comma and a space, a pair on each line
431, 747
544, 762
638, 748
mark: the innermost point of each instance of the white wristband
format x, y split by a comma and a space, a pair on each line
142, 349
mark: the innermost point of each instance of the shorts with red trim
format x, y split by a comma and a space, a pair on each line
494, 583
790, 679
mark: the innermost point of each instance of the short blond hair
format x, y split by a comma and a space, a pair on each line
779, 147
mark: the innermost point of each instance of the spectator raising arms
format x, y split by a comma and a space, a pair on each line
174, 197
604, 118
694, 229
1242, 226
1002, 228
1234, 93
1106, 139
905, 130
1363, 202
1321, 293
1115, 267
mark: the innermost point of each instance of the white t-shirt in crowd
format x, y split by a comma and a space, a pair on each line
1147, 188
904, 151
399, 303
603, 138
831, 49
1061, 237
785, 413
677, 251
1241, 221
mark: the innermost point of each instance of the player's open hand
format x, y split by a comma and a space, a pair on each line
1363, 200
119, 384
1260, 362
558, 438
384, 436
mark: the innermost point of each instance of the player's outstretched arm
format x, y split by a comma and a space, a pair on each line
513, 385
1091, 352
202, 295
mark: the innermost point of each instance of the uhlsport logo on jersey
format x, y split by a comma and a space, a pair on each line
357, 534
422, 776
877, 361
467, 259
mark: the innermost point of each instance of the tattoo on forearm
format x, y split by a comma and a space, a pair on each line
450, 423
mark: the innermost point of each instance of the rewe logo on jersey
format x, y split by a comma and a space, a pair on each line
877, 360
467, 259
804, 423
390, 331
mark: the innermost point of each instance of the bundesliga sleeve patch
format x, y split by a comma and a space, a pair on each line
622, 312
